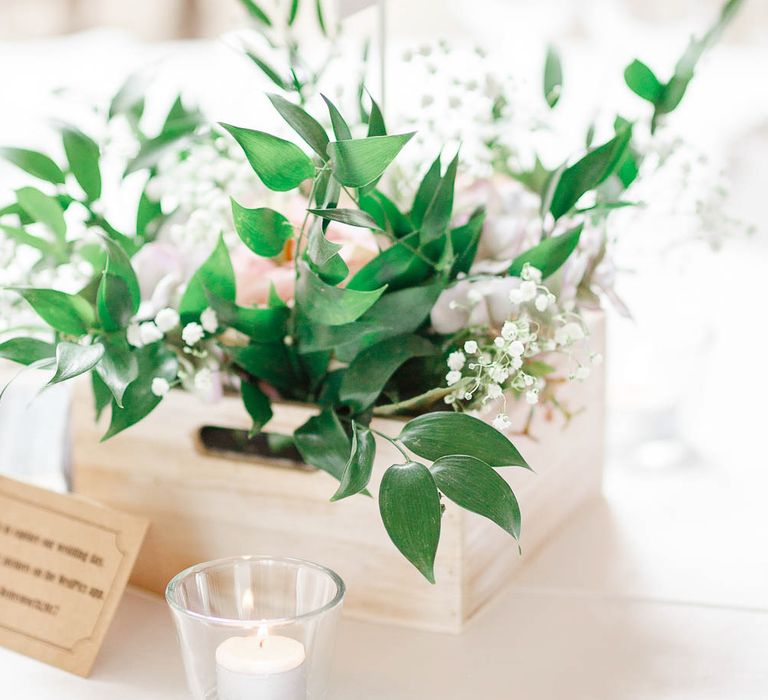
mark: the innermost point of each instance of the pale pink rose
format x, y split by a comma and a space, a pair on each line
512, 219
255, 275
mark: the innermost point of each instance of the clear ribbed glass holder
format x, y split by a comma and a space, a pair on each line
257, 628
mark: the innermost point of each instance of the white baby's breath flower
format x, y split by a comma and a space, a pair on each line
528, 290
542, 302
453, 377
160, 387
456, 360
133, 335
204, 380
167, 319
209, 320
574, 330
516, 348
532, 397
582, 373
192, 334
498, 374
529, 272
516, 296
149, 333
509, 331
494, 391
470, 347
501, 422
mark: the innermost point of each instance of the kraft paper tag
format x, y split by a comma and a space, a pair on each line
64, 565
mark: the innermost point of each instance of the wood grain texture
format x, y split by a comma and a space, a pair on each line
205, 507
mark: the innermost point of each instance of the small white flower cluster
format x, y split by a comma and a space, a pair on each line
466, 101
195, 183
496, 367
197, 366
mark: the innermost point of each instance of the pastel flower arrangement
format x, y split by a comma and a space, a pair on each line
320, 269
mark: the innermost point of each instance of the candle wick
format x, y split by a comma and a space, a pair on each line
261, 644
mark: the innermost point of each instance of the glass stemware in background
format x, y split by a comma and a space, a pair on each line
257, 628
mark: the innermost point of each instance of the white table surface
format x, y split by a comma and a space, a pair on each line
643, 596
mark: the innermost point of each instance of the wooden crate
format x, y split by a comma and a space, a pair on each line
204, 507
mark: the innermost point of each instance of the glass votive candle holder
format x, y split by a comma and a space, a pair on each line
257, 628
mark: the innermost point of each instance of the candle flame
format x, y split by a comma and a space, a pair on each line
247, 603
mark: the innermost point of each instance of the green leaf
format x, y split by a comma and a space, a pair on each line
320, 17
155, 361
643, 82
263, 230
340, 128
25, 351
396, 313
215, 275
152, 150
66, 313
352, 217
426, 192
553, 77
147, 212
257, 404
118, 368
329, 305
256, 12
44, 209
397, 266
294, 11
324, 256
359, 467
269, 70
358, 162
119, 264
102, 396
280, 164
386, 213
437, 218
372, 369
436, 435
35, 163
113, 302
323, 443
83, 156
269, 361
475, 486
588, 173
261, 325
73, 359
465, 242
129, 99
303, 124
410, 508
376, 125
549, 255
23, 238
538, 368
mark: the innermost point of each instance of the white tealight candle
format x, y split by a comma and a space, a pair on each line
263, 667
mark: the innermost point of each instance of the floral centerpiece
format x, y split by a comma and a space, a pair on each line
337, 278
